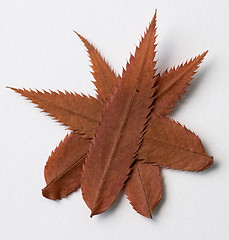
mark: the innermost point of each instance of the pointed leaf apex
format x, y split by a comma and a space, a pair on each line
80, 36
205, 53
12, 88
77, 33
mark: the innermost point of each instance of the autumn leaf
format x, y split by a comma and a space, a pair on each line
63, 177
144, 187
173, 83
118, 134
78, 113
168, 144
39, 98
105, 79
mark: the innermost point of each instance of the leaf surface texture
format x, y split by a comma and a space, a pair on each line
116, 141
168, 144
64, 166
78, 113
173, 83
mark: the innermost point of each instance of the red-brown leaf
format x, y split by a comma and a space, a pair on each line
144, 188
148, 171
173, 83
117, 137
105, 79
64, 166
78, 113
168, 144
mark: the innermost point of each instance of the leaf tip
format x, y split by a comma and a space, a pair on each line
12, 88
77, 33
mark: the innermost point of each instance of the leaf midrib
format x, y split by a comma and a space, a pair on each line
66, 109
121, 129
65, 172
144, 191
179, 147
177, 79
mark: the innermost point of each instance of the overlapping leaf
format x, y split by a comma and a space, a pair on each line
116, 141
162, 146
144, 188
64, 166
168, 144
162, 103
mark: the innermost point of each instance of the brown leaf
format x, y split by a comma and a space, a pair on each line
65, 178
64, 166
117, 137
161, 104
148, 171
173, 83
168, 144
79, 113
105, 79
144, 188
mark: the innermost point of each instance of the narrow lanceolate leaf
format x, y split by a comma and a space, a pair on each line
105, 79
79, 113
169, 144
173, 83
117, 138
63, 169
144, 187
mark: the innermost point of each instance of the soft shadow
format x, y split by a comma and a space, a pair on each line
156, 211
164, 54
112, 208
212, 168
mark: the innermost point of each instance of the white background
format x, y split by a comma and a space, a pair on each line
38, 49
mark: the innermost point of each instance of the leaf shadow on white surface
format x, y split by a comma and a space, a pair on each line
156, 212
113, 206
164, 54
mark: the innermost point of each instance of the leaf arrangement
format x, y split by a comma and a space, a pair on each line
121, 138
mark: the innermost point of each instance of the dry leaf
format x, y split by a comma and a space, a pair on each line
166, 97
144, 187
168, 144
118, 134
173, 83
105, 79
78, 113
63, 177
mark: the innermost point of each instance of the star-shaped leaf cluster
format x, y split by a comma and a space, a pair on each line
123, 137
